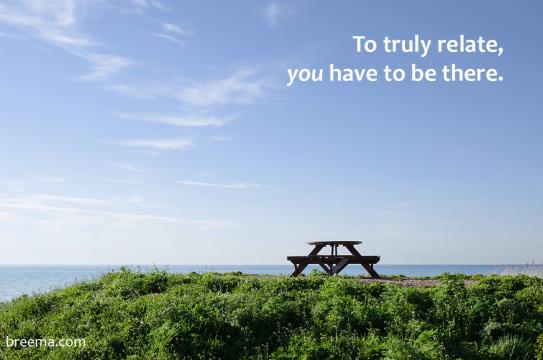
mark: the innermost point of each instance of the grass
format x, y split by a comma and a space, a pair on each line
131, 315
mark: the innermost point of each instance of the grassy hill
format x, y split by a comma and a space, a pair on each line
157, 315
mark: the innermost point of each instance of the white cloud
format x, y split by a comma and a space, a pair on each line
237, 186
131, 91
221, 138
62, 11
180, 121
158, 144
51, 204
66, 41
104, 65
146, 4
128, 181
50, 179
168, 37
147, 90
172, 32
136, 217
50, 21
174, 29
55, 22
275, 11
131, 168
40, 198
239, 88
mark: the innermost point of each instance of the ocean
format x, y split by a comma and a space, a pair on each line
17, 280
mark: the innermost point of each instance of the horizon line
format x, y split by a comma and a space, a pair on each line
165, 264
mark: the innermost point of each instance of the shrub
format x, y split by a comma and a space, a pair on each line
131, 315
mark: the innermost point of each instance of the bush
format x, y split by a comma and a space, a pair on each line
131, 315
539, 348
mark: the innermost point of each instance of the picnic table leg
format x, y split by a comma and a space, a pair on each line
326, 268
353, 250
298, 268
368, 267
371, 271
340, 266
316, 250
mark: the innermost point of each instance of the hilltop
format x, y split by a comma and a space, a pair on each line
158, 315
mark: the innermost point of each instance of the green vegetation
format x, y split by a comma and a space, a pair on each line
231, 316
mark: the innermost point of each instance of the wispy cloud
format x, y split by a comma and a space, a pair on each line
40, 198
132, 91
158, 144
275, 11
236, 186
130, 167
104, 65
136, 217
173, 32
221, 138
127, 181
168, 37
50, 199
49, 21
50, 179
240, 88
178, 120
175, 29
140, 5
66, 205
55, 22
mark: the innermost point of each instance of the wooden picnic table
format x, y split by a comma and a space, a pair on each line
334, 262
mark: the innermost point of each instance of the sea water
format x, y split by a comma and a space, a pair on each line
17, 280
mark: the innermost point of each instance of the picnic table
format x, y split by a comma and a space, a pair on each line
334, 262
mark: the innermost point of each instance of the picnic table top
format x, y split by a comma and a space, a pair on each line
335, 242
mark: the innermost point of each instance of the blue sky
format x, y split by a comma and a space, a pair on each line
163, 132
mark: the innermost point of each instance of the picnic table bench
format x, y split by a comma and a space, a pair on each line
334, 262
